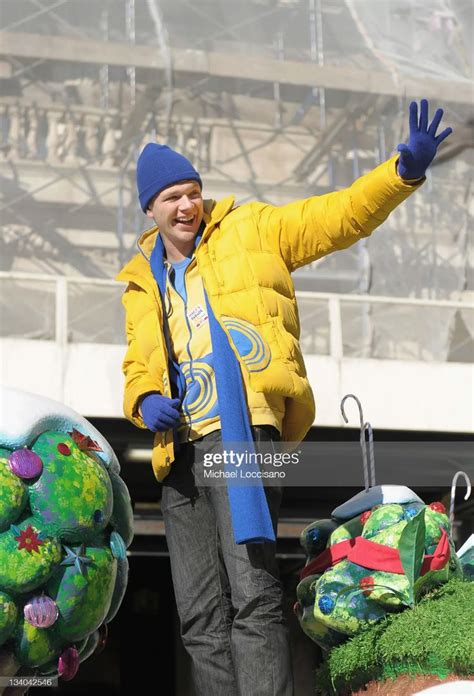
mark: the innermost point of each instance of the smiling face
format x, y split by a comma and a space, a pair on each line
178, 211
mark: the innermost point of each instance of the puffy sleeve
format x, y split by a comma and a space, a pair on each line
308, 229
138, 381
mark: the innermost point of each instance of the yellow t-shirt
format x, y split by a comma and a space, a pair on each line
190, 341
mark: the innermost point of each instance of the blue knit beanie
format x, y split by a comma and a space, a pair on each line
158, 167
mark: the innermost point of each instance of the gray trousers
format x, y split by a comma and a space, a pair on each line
229, 596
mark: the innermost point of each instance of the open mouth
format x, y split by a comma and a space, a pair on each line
186, 221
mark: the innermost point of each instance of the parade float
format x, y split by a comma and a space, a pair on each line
66, 521
384, 592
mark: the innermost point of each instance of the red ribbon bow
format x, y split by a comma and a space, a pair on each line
373, 556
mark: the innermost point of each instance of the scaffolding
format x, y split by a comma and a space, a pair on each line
272, 100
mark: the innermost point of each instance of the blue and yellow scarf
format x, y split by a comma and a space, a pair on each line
250, 515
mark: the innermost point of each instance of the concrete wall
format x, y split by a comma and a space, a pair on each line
395, 394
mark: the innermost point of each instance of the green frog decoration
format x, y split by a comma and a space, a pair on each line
364, 563
379, 552
66, 521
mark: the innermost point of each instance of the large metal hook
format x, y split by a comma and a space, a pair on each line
364, 427
453, 491
368, 430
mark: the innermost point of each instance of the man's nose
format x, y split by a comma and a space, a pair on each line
185, 203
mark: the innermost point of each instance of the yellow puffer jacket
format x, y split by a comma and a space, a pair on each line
245, 257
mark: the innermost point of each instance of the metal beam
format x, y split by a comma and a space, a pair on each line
154, 526
232, 66
356, 107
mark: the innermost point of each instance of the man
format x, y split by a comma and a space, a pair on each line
213, 355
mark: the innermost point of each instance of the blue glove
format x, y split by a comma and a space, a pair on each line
416, 157
159, 412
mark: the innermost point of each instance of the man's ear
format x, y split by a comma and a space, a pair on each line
149, 213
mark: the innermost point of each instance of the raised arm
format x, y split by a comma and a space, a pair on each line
309, 229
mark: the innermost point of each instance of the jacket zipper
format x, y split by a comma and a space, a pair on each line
188, 349
185, 408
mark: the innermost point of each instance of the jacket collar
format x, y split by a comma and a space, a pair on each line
139, 265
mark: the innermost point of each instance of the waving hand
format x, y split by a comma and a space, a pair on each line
423, 142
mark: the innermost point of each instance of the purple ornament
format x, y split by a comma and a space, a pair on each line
68, 663
25, 463
41, 611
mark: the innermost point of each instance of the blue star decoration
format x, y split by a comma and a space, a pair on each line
76, 558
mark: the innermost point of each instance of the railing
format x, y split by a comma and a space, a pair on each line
78, 135
364, 326
86, 310
60, 309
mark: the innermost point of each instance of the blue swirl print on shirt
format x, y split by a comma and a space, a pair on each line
200, 401
254, 351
